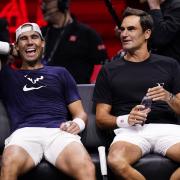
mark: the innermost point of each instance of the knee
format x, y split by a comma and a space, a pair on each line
85, 169
117, 162
11, 160
88, 167
8, 163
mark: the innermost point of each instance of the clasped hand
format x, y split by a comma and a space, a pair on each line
138, 115
70, 127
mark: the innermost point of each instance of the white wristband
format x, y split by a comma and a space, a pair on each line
122, 121
80, 123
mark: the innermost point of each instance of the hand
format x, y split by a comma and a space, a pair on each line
158, 93
70, 127
154, 4
138, 115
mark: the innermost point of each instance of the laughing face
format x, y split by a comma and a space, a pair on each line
30, 46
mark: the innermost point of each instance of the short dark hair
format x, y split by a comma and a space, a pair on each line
146, 20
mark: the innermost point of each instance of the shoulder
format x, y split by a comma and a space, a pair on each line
164, 62
56, 69
163, 59
114, 64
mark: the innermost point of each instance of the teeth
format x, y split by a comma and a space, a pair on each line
31, 49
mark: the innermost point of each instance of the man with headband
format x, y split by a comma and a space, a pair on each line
38, 99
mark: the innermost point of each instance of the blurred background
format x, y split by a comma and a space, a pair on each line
91, 12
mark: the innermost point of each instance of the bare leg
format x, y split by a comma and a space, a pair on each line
76, 162
15, 161
174, 153
120, 158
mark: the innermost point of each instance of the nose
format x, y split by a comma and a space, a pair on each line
29, 40
124, 33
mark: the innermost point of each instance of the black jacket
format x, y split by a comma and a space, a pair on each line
79, 49
166, 34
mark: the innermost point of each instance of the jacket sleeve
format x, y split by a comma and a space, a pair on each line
166, 26
97, 48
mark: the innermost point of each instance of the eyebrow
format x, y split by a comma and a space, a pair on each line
129, 27
34, 34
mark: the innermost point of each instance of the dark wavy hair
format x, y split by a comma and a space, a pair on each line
146, 20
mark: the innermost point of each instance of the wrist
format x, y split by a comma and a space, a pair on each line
80, 123
153, 5
122, 121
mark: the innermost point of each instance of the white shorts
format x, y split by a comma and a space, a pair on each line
150, 137
39, 142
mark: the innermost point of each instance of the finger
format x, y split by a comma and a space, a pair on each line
137, 118
74, 131
137, 108
140, 117
155, 90
159, 96
73, 128
138, 122
146, 111
63, 126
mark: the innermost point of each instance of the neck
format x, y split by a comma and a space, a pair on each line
31, 65
137, 56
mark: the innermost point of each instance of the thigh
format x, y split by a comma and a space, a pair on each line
17, 157
169, 146
128, 138
73, 157
58, 143
23, 138
125, 151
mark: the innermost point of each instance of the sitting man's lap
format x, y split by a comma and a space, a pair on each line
156, 138
39, 142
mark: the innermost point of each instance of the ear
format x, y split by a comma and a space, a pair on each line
43, 44
147, 34
15, 50
16, 47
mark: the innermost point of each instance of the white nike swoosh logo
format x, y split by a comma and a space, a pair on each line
25, 88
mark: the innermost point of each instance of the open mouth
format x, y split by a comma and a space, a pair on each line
126, 41
30, 51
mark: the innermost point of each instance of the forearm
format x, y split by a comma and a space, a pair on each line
106, 121
137, 115
174, 103
82, 115
77, 111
